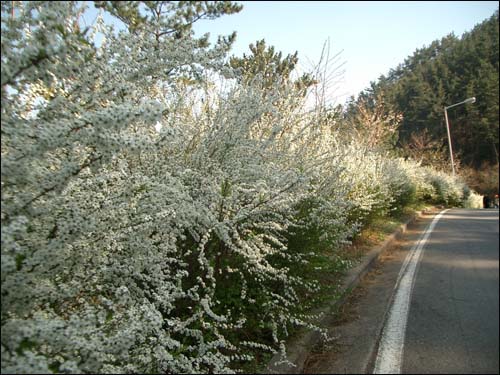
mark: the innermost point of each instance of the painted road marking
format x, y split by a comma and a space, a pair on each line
390, 351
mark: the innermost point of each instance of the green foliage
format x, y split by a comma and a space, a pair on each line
181, 14
274, 69
444, 73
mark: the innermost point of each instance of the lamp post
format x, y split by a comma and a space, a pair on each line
466, 101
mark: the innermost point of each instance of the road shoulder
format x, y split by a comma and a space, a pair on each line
355, 320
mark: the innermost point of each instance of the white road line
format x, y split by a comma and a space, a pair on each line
390, 351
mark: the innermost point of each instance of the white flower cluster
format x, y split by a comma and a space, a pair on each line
133, 247
473, 200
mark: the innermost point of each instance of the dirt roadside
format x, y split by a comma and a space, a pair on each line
355, 320
359, 320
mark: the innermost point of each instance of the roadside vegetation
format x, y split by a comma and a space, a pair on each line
442, 73
168, 209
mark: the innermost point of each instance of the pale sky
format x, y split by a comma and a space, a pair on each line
371, 37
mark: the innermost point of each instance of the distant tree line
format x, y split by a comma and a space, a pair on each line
444, 73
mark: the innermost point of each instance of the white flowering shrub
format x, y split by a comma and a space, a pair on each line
472, 199
125, 249
437, 187
94, 219
402, 180
448, 190
424, 190
364, 172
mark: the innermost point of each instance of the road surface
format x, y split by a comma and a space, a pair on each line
452, 307
453, 317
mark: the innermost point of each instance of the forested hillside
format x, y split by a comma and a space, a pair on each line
444, 73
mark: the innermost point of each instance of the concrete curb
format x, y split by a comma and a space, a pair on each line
300, 346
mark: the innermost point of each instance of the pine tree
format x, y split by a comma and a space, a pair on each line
271, 66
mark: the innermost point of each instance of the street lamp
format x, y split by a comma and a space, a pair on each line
466, 101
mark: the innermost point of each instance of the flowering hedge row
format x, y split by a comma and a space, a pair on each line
152, 225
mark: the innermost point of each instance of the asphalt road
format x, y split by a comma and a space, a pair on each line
452, 325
